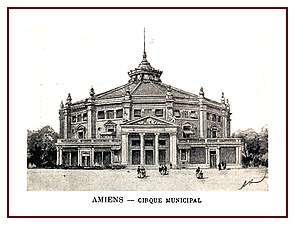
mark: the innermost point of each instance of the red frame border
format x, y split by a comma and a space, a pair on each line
10, 216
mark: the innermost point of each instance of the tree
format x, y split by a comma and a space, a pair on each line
256, 146
41, 150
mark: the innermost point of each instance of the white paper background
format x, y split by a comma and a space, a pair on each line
25, 86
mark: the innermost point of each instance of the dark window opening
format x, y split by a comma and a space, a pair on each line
187, 128
74, 119
100, 115
135, 142
119, 113
213, 117
137, 112
219, 118
194, 115
80, 134
148, 142
177, 113
159, 112
162, 142
208, 116
79, 118
110, 114
84, 116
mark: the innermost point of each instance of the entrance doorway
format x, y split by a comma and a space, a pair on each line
106, 158
85, 160
212, 159
162, 157
135, 157
149, 157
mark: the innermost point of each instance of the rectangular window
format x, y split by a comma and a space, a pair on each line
162, 142
80, 134
213, 117
177, 113
100, 115
119, 113
184, 114
194, 115
79, 118
208, 116
159, 112
110, 114
74, 119
219, 118
148, 142
135, 142
137, 112
84, 116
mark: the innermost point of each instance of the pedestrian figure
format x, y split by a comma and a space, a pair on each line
138, 170
200, 175
198, 170
219, 166
224, 165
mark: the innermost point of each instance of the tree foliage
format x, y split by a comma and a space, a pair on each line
41, 150
256, 146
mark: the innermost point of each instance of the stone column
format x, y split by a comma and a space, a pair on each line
60, 157
91, 157
201, 122
173, 149
141, 148
57, 156
157, 148
125, 149
79, 157
89, 122
217, 155
70, 158
207, 155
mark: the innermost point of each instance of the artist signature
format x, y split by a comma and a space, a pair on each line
252, 182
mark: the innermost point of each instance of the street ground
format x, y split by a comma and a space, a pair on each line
126, 180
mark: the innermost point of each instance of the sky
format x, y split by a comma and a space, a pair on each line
56, 52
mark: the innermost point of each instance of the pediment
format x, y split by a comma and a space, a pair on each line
149, 120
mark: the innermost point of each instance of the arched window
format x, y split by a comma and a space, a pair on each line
81, 132
187, 130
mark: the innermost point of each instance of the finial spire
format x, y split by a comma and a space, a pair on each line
144, 53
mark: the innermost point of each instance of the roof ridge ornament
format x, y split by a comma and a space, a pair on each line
144, 71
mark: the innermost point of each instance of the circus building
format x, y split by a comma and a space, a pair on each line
146, 122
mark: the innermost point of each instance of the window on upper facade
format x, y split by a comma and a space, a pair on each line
194, 115
219, 118
84, 116
162, 142
79, 118
185, 114
148, 112
137, 112
110, 114
135, 142
213, 117
208, 133
177, 113
187, 131
148, 142
74, 119
208, 116
214, 134
159, 112
119, 113
100, 115
81, 134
